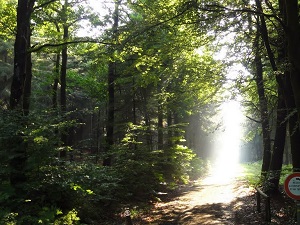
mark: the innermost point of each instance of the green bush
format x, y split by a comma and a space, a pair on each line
7, 218
70, 218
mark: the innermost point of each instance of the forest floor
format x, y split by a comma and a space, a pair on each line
216, 200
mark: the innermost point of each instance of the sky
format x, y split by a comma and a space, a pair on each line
99, 6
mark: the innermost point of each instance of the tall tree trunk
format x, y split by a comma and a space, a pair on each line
20, 93
160, 117
290, 11
265, 36
278, 147
170, 129
56, 74
160, 135
295, 141
293, 122
134, 118
27, 81
110, 114
56, 81
293, 38
111, 91
263, 104
281, 120
145, 96
20, 53
63, 86
63, 73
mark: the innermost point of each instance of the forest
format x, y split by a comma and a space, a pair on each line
103, 104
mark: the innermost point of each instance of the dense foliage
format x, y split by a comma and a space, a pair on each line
98, 104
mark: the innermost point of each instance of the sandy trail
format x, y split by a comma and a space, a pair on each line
212, 200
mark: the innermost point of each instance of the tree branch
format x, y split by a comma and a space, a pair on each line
44, 4
36, 48
252, 119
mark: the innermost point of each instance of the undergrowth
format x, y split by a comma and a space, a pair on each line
252, 172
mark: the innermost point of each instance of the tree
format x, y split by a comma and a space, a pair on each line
289, 10
111, 86
20, 92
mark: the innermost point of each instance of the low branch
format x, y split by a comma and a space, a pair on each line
36, 48
252, 119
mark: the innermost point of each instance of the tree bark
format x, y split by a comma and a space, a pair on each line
295, 141
293, 39
263, 104
55, 81
28, 78
107, 161
20, 53
290, 11
160, 135
265, 36
20, 94
110, 114
63, 87
63, 73
278, 147
170, 129
281, 118
160, 117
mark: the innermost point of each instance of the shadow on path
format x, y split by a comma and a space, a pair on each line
202, 203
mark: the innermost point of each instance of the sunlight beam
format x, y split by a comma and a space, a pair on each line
227, 148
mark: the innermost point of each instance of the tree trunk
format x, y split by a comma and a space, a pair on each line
293, 39
160, 135
170, 129
63, 73
146, 114
28, 78
281, 120
20, 93
134, 104
290, 11
55, 82
265, 36
63, 87
110, 114
295, 141
20, 53
111, 92
160, 117
263, 104
278, 147
293, 123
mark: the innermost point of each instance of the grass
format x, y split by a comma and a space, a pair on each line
252, 172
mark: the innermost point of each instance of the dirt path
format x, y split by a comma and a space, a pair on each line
212, 200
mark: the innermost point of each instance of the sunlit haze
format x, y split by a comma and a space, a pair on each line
225, 164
